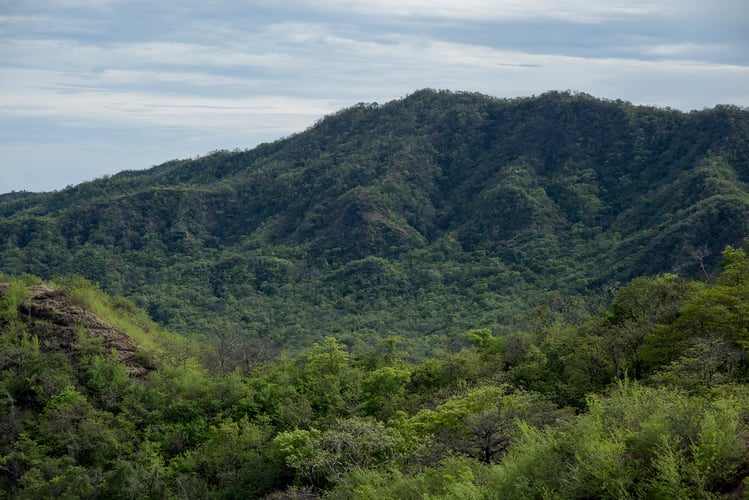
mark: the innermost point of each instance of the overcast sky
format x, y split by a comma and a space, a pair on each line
92, 87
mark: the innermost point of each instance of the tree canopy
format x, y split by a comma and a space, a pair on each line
425, 217
646, 398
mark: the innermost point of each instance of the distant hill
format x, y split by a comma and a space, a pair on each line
422, 217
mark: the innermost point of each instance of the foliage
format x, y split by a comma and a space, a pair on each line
539, 414
638, 442
447, 296
424, 217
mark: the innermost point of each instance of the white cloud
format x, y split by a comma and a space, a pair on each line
207, 76
691, 49
151, 109
486, 10
385, 71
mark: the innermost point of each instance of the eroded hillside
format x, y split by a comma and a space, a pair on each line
58, 321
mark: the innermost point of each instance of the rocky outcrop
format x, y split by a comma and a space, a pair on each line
57, 320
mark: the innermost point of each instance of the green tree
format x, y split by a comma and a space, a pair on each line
232, 462
640, 309
328, 457
328, 380
482, 423
383, 391
73, 427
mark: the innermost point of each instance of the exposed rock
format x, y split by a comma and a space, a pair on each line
56, 319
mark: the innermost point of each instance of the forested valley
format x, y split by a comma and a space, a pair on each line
445, 296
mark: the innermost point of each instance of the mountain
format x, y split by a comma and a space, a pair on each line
422, 217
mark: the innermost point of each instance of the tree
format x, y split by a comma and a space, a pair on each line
328, 380
638, 310
73, 427
482, 423
384, 391
232, 462
327, 457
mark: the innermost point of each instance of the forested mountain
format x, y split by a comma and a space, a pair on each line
422, 217
448, 296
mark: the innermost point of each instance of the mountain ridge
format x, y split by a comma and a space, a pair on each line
477, 209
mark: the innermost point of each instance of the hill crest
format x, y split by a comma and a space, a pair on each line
475, 210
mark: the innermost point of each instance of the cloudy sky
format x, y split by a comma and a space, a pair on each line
92, 87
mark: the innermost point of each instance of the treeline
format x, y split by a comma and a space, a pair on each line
646, 398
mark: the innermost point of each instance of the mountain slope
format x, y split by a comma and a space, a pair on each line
422, 217
62, 323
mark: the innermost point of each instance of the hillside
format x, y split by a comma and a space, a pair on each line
56, 321
422, 217
647, 398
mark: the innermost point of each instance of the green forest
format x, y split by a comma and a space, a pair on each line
646, 399
445, 296
423, 217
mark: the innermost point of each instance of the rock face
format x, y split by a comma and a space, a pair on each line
56, 320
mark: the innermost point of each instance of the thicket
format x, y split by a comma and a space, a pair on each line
646, 398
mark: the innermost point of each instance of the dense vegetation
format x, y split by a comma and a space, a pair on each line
423, 218
446, 296
648, 398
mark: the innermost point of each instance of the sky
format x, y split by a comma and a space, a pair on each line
89, 88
